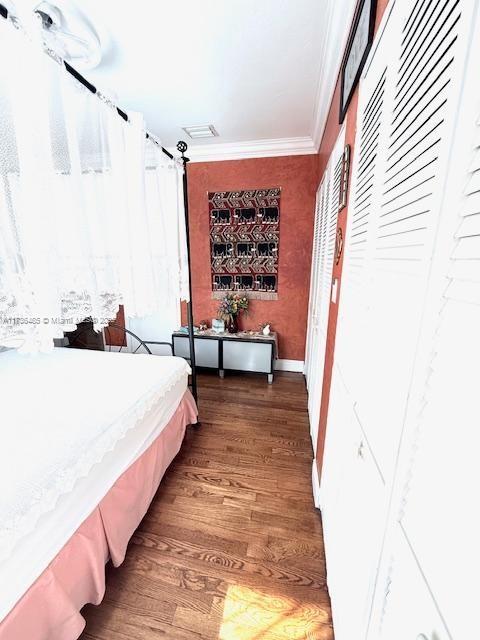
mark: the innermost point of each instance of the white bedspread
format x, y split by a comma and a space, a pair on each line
61, 413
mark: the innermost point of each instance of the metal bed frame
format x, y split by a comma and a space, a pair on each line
80, 341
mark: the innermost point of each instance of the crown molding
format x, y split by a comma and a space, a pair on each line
251, 149
339, 20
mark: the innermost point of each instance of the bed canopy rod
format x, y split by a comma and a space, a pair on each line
181, 147
93, 89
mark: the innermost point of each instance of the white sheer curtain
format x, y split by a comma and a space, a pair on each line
166, 221
77, 235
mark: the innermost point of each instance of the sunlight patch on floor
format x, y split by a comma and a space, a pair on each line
252, 615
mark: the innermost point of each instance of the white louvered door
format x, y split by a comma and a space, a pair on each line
314, 277
313, 345
403, 149
436, 498
419, 135
352, 491
352, 512
326, 214
408, 106
351, 350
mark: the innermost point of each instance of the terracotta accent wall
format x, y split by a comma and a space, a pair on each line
298, 178
329, 137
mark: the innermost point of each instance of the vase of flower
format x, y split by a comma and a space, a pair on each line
232, 305
232, 325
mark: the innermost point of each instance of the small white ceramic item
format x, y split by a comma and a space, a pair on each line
218, 325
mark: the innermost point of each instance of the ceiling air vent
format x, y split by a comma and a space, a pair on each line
201, 131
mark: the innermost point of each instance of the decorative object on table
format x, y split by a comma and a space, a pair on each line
244, 241
232, 305
343, 195
358, 46
265, 328
203, 325
218, 325
184, 329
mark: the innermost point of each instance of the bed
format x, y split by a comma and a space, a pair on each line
85, 439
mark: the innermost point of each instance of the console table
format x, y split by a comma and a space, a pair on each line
243, 351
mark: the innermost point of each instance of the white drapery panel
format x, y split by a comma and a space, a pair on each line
78, 235
166, 221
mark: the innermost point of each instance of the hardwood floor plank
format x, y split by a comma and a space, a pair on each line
280, 549
206, 526
284, 501
296, 509
231, 547
165, 589
198, 490
204, 624
253, 614
240, 569
251, 477
111, 622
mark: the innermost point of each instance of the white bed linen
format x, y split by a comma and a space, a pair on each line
111, 407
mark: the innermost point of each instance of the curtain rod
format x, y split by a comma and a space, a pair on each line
93, 89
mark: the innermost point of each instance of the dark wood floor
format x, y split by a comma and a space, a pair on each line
231, 548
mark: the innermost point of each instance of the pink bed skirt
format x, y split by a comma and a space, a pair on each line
50, 609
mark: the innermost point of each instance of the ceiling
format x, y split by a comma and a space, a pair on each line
261, 71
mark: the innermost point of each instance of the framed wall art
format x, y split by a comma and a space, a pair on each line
244, 242
356, 53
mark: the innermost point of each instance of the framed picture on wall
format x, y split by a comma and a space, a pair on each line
358, 46
244, 242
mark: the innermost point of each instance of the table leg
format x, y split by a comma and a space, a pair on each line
270, 378
221, 373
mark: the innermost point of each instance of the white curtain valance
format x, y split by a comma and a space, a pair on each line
78, 234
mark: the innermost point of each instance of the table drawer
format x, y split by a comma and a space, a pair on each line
206, 351
248, 356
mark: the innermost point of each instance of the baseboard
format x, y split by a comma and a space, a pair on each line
289, 365
315, 484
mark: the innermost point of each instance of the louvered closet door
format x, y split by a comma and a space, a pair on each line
351, 351
321, 281
313, 286
437, 501
406, 114
315, 347
408, 102
352, 512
